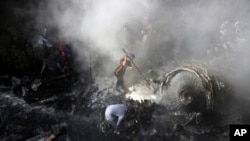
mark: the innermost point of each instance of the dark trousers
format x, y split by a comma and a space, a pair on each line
52, 74
120, 82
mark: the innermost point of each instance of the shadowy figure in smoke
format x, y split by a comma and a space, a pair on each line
51, 67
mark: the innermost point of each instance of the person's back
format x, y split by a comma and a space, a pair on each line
116, 109
121, 69
115, 113
51, 63
51, 67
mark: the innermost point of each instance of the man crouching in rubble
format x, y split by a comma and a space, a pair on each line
121, 69
114, 114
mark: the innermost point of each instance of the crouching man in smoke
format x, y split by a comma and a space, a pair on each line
114, 114
121, 69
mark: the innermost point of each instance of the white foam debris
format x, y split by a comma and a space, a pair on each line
140, 92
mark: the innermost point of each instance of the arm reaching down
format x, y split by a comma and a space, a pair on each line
120, 118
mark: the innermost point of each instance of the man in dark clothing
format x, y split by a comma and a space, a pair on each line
121, 69
51, 67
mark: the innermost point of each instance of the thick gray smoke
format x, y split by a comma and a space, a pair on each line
213, 32
97, 24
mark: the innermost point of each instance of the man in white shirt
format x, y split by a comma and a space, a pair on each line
114, 114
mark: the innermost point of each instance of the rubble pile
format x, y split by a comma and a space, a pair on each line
173, 97
140, 92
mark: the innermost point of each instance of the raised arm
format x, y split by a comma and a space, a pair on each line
124, 61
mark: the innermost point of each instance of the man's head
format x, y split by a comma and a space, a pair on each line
131, 56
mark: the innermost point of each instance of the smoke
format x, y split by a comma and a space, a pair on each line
157, 31
214, 32
94, 27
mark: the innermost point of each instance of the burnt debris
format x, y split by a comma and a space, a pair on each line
56, 76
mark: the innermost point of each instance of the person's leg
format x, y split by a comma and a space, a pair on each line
122, 84
119, 82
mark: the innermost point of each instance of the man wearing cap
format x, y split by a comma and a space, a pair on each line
121, 69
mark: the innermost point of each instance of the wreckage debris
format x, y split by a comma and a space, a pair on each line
189, 86
140, 92
33, 109
156, 112
186, 92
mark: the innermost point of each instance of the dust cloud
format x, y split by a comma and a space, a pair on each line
215, 33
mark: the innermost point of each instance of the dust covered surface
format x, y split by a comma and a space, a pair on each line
164, 35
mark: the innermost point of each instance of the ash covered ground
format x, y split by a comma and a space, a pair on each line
178, 44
